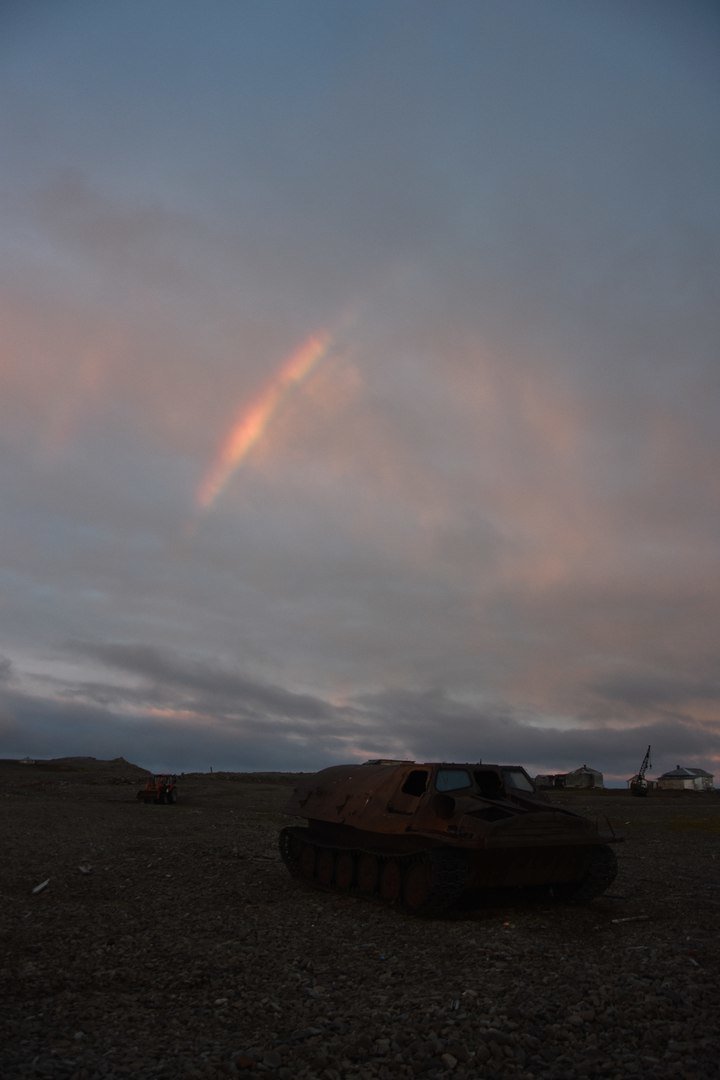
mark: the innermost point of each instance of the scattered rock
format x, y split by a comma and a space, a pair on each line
182, 962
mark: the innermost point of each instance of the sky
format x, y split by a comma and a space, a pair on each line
359, 382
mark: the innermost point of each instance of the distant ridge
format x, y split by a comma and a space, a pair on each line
81, 763
80, 760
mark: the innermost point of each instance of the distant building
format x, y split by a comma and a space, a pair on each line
584, 777
682, 779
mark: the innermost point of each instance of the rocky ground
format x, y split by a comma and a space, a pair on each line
169, 941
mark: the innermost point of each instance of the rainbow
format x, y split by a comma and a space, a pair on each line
253, 421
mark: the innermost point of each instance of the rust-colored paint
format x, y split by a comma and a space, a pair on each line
159, 789
416, 833
402, 799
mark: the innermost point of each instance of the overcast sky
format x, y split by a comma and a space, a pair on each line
360, 382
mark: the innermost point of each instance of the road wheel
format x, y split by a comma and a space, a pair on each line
417, 886
325, 866
391, 881
368, 873
307, 862
345, 870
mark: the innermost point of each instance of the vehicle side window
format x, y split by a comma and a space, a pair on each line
415, 783
517, 779
452, 779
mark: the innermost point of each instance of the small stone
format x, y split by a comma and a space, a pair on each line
449, 1061
459, 1051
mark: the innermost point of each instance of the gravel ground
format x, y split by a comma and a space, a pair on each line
183, 949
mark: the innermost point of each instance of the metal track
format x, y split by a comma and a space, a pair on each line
600, 872
446, 871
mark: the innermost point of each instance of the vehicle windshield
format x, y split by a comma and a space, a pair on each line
452, 779
491, 783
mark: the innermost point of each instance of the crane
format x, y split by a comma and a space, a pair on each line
639, 785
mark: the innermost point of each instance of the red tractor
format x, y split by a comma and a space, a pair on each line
159, 789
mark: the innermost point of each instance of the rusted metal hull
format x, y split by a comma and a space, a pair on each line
423, 836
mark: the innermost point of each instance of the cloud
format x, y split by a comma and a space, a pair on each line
180, 711
489, 525
658, 690
198, 684
434, 726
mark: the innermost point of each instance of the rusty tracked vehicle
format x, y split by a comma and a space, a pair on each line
423, 836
